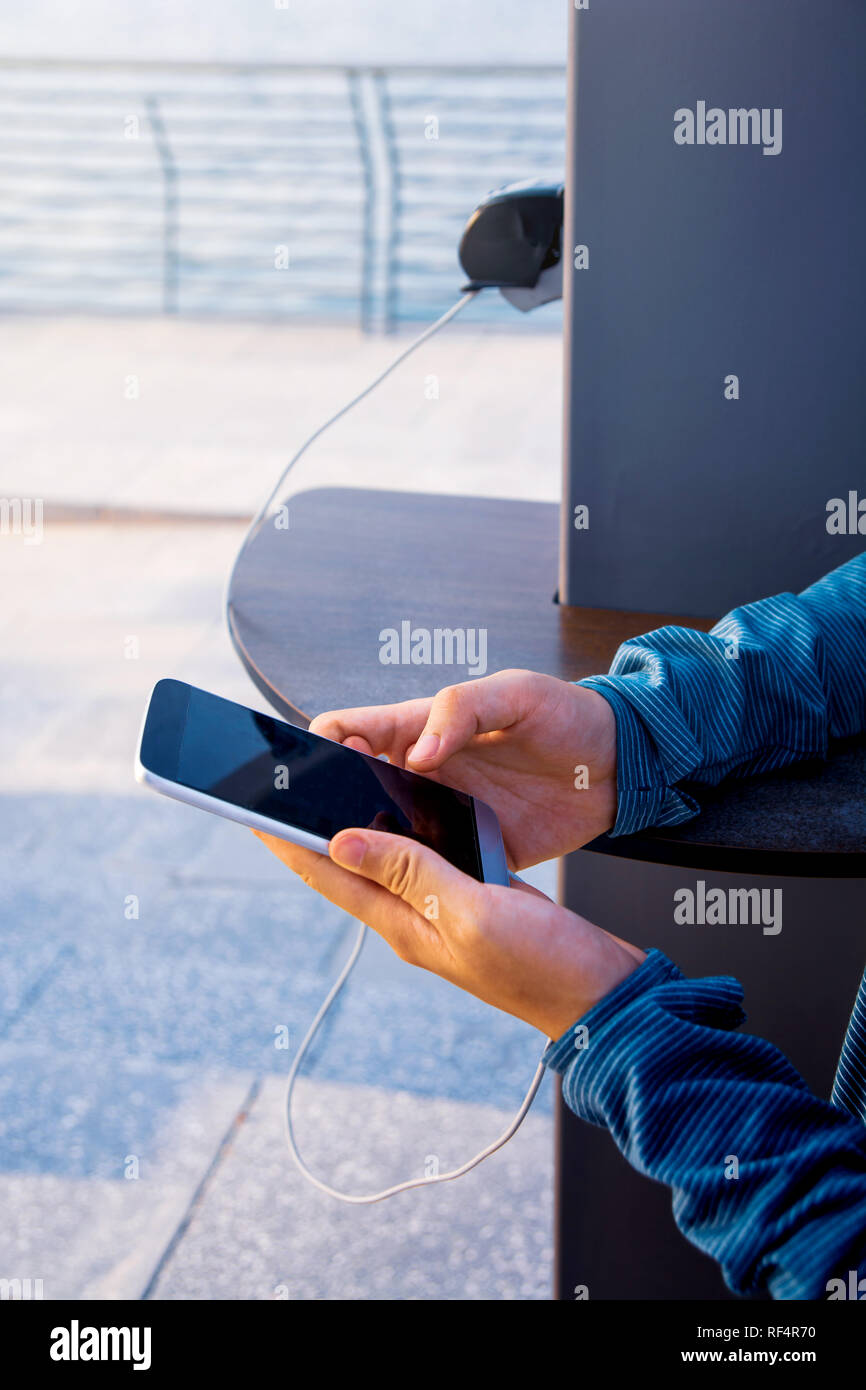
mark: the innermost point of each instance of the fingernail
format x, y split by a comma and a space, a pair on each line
426, 748
349, 851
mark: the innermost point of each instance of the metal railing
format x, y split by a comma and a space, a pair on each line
254, 190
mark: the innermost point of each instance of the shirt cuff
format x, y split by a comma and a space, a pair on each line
644, 796
593, 1055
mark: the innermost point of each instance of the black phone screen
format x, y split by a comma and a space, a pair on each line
277, 770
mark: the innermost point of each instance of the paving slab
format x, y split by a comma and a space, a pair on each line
193, 416
261, 1232
73, 1214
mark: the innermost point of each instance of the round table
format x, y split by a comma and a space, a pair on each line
308, 602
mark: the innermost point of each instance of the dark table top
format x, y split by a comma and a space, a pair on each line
308, 603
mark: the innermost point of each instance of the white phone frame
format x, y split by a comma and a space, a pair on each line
494, 865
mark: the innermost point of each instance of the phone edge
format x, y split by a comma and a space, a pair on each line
494, 865
226, 811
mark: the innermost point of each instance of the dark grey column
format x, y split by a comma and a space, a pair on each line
701, 263
706, 262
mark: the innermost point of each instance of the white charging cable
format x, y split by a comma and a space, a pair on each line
252, 531
365, 1199
263, 510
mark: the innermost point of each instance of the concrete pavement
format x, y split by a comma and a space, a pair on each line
149, 952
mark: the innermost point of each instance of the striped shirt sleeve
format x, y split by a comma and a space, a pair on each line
766, 1178
770, 685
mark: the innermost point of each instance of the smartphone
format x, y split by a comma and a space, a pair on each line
275, 777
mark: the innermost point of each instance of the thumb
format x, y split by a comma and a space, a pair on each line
409, 870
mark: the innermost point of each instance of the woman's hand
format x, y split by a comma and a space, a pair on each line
511, 947
541, 752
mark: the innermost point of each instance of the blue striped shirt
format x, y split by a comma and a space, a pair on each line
766, 1177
